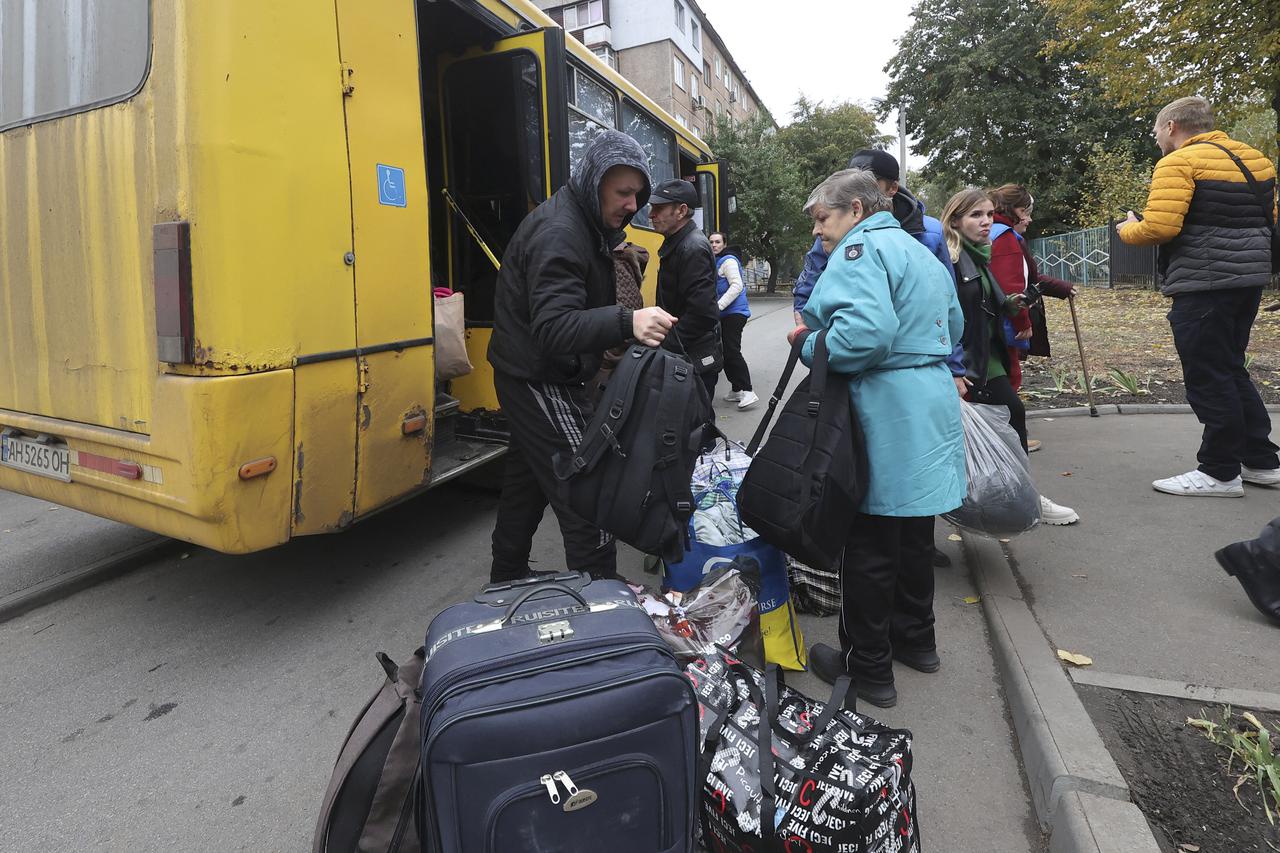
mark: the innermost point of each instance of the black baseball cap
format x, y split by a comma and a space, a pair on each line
676, 191
882, 164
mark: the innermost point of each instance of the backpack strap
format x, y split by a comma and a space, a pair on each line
776, 397
1267, 209
604, 436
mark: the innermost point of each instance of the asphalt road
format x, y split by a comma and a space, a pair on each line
198, 702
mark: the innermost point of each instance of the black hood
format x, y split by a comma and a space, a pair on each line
611, 148
908, 211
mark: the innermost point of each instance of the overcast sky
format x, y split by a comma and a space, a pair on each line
786, 47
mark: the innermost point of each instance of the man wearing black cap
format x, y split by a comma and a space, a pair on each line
909, 212
687, 279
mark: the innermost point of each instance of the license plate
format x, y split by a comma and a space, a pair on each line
34, 457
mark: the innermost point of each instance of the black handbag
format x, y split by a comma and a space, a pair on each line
807, 481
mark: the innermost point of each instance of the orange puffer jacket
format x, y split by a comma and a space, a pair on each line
1215, 234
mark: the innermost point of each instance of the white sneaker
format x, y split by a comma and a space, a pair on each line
1260, 476
1199, 484
1055, 514
733, 396
749, 399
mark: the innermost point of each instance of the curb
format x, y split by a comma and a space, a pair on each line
1077, 790
54, 588
1123, 409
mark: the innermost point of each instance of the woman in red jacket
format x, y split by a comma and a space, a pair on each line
1014, 268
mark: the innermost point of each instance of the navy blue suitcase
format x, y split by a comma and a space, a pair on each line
555, 719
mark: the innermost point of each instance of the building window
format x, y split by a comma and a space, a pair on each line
61, 57
719, 109
717, 67
584, 15
693, 86
728, 78
607, 55
677, 68
682, 121
679, 16
693, 35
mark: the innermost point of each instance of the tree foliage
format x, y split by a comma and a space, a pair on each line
822, 138
1117, 180
1146, 53
987, 103
768, 222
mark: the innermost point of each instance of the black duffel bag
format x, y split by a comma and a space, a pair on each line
808, 480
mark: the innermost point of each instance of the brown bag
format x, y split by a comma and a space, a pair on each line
451, 338
369, 804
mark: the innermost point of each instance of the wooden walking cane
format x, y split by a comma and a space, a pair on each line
1084, 363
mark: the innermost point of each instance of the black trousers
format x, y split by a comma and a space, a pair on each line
544, 419
735, 366
886, 591
999, 392
1211, 332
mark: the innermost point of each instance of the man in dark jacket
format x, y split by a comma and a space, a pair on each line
555, 314
1214, 231
687, 279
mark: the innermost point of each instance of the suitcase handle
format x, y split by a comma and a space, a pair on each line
501, 594
530, 593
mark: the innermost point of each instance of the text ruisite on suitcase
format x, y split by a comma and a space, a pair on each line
555, 719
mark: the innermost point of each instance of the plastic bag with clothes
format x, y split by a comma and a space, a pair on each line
1002, 500
718, 537
720, 611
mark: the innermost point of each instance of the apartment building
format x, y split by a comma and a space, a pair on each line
669, 50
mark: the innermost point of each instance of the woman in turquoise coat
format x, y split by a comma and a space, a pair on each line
891, 316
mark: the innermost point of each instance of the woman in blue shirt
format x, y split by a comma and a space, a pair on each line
891, 316
731, 295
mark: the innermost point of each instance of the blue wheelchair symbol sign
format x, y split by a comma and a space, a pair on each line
391, 186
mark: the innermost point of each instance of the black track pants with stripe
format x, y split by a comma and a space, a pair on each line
544, 418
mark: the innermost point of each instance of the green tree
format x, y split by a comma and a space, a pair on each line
1117, 180
1146, 53
987, 103
768, 222
822, 138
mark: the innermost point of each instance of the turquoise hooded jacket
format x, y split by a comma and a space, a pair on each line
891, 316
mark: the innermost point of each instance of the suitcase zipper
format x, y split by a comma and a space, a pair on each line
429, 799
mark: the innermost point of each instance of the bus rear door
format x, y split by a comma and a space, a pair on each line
380, 77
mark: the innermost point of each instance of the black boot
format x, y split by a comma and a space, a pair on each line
827, 663
1261, 582
921, 660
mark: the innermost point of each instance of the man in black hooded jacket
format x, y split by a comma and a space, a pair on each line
555, 314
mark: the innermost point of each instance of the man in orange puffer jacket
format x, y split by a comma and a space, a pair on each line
1214, 227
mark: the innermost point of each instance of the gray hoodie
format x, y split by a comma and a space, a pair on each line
611, 148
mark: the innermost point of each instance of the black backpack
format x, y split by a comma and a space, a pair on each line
808, 480
369, 803
630, 475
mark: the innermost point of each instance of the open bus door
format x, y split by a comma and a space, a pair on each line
394, 358
504, 142
714, 191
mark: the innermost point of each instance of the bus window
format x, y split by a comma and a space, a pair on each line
496, 170
658, 143
66, 56
707, 192
592, 109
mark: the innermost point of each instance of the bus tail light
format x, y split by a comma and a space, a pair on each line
257, 468
175, 326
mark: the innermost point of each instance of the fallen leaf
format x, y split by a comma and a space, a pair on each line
183, 556
1189, 848
1047, 420
1066, 473
953, 537
1073, 658
971, 599
1079, 576
1006, 540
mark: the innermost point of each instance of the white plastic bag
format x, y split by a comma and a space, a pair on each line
1002, 500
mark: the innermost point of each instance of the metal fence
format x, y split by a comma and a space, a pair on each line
1095, 257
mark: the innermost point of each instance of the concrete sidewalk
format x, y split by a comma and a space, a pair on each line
1133, 586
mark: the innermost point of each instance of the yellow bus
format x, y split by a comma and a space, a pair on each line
222, 224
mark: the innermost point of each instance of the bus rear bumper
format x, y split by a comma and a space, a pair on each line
183, 479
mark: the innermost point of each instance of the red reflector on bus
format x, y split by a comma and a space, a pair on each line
257, 468
118, 467
414, 424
